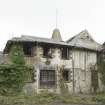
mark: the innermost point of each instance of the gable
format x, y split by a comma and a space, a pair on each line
84, 40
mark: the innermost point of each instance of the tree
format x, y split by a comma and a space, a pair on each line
14, 76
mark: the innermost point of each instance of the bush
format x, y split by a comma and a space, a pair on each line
13, 78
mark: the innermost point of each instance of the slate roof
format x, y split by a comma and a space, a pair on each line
81, 40
84, 40
26, 38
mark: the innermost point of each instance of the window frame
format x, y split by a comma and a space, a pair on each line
30, 50
65, 53
47, 81
69, 75
46, 53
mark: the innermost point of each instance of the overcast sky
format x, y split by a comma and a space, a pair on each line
38, 18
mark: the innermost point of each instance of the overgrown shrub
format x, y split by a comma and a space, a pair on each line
101, 66
14, 76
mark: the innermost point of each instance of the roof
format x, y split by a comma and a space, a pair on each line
26, 38
81, 40
84, 40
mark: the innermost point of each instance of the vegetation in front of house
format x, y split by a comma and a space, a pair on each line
50, 98
101, 97
101, 66
63, 86
13, 76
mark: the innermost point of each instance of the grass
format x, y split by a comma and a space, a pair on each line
48, 98
101, 97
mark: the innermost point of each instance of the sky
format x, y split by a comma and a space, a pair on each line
38, 18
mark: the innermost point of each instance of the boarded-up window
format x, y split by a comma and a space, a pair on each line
47, 78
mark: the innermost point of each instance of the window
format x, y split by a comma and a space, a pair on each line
27, 48
65, 53
47, 78
66, 75
46, 52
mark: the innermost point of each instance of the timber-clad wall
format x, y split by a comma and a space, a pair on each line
83, 60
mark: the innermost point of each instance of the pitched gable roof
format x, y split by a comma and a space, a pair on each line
84, 40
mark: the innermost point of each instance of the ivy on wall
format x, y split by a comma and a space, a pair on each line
14, 76
16, 55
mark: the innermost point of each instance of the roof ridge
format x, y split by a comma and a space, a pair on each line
34, 36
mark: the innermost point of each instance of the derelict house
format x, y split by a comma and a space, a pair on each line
76, 58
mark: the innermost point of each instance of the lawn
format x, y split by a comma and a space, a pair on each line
49, 98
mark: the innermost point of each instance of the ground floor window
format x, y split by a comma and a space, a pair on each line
67, 75
47, 78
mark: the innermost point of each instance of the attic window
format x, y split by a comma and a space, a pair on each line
65, 53
85, 37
